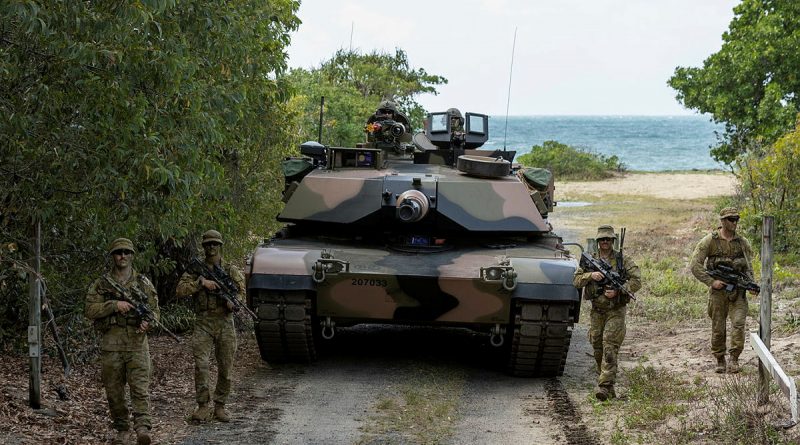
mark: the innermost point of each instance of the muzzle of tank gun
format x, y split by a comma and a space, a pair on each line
412, 205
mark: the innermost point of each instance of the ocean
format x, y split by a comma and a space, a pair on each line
644, 143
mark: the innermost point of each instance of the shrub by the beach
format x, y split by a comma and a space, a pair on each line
567, 162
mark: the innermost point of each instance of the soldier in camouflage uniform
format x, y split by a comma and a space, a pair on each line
607, 329
386, 110
214, 330
724, 247
125, 354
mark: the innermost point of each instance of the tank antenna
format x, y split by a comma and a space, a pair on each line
508, 101
321, 105
352, 25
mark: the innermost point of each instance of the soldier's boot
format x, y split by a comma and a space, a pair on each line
733, 366
720, 369
143, 435
202, 413
220, 413
602, 393
121, 438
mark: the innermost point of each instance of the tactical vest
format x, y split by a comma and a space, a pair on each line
210, 302
599, 301
718, 254
130, 318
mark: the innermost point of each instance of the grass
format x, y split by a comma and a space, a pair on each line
660, 406
655, 398
422, 410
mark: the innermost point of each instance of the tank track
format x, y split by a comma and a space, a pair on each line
540, 339
285, 332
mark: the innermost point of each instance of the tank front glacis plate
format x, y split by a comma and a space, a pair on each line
412, 299
382, 285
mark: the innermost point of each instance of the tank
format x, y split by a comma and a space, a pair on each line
416, 229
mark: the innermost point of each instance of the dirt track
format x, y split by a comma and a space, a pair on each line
331, 401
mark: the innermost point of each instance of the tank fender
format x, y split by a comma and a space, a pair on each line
281, 282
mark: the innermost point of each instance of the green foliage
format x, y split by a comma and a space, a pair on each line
567, 162
751, 84
769, 180
152, 120
353, 85
656, 395
178, 318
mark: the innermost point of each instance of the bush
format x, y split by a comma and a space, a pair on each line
567, 162
769, 185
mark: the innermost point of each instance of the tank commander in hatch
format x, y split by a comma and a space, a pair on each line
609, 305
724, 247
387, 126
457, 135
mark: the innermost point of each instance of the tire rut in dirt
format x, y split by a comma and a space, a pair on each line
563, 412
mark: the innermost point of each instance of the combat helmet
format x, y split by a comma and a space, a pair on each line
456, 119
387, 105
454, 112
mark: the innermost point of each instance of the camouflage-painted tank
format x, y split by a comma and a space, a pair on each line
425, 230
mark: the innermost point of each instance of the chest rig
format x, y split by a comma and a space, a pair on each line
130, 318
727, 253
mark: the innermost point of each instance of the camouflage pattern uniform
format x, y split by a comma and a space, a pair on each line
711, 251
607, 324
214, 331
125, 354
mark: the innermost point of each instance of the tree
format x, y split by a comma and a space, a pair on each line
770, 183
751, 84
150, 119
353, 84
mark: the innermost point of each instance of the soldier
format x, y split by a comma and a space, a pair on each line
214, 330
607, 329
125, 353
386, 110
724, 247
457, 134
456, 119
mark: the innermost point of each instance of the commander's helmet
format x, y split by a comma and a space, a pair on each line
456, 119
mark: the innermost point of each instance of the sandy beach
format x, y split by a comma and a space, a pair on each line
670, 185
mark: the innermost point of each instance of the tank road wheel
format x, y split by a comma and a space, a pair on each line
540, 339
284, 331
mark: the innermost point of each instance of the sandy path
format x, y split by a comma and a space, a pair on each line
678, 185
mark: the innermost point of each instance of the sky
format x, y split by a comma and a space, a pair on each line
571, 57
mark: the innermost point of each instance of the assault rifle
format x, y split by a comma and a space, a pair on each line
610, 276
139, 305
733, 279
623, 273
226, 289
